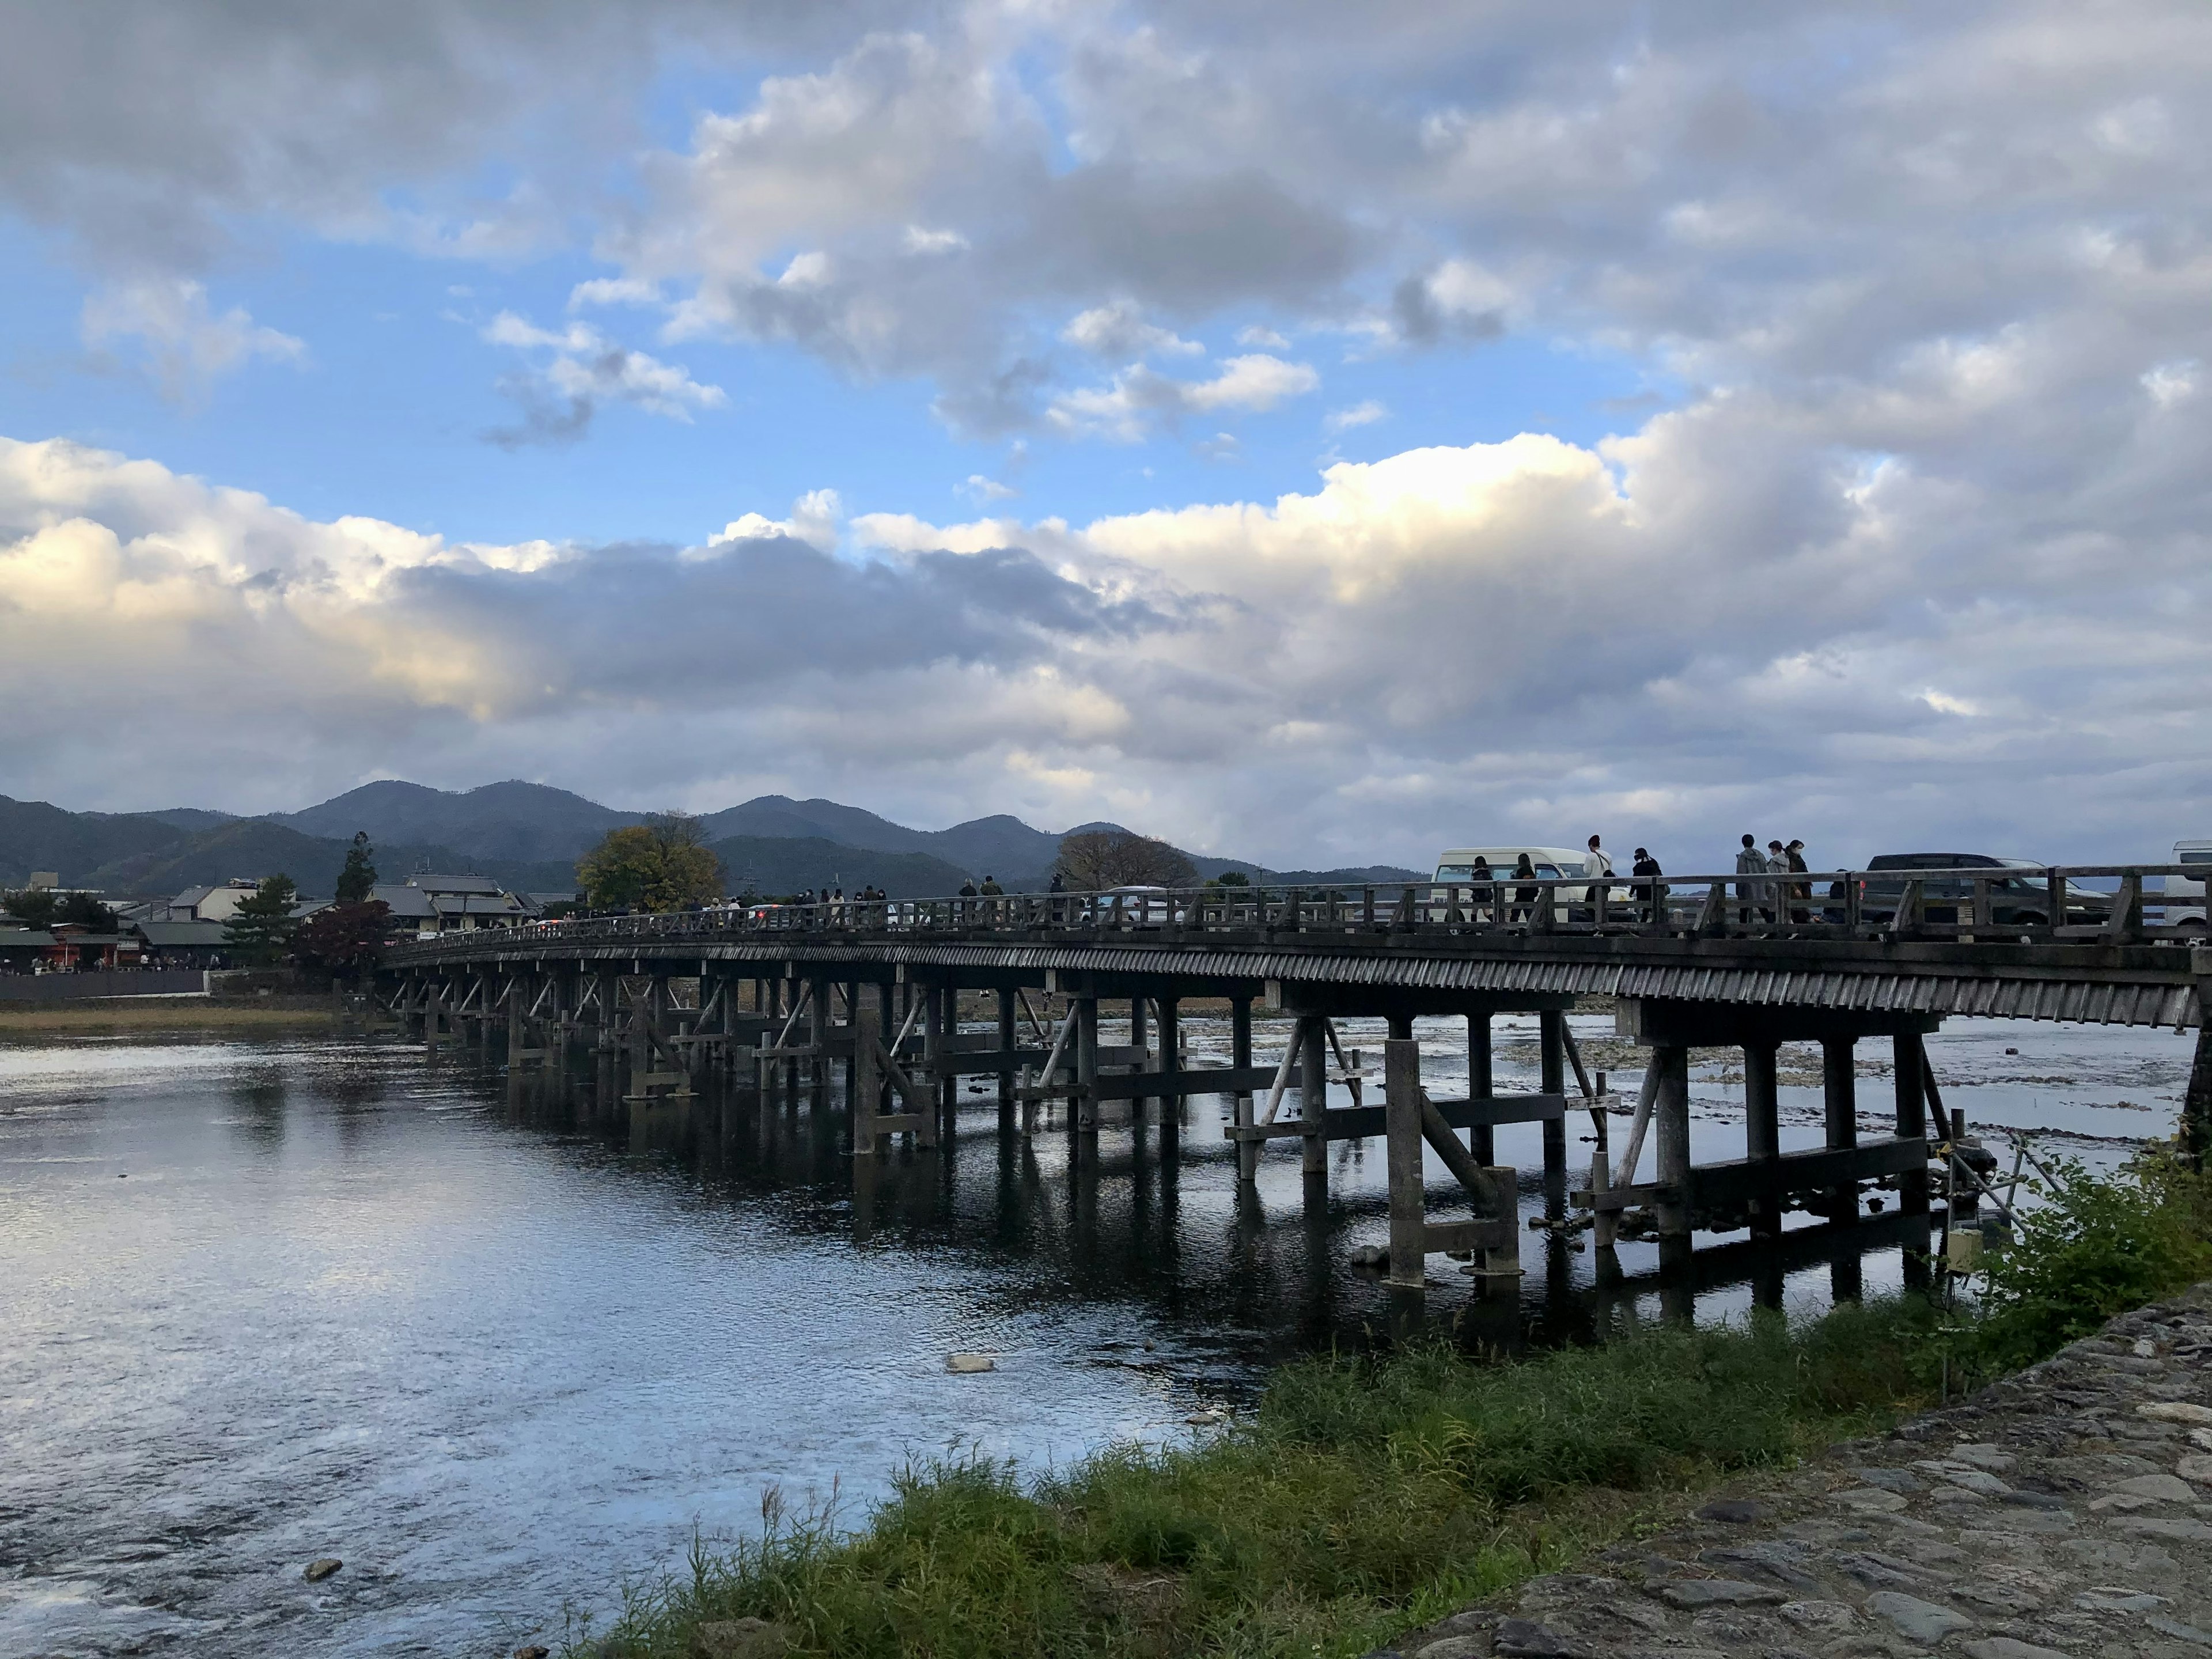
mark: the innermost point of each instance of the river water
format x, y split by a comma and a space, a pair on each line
263, 1302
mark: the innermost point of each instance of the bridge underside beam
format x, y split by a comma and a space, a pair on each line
1354, 1122
1669, 1021
1730, 1186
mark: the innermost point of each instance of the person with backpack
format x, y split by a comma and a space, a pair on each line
1651, 892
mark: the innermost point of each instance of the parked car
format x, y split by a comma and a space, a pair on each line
2019, 898
1456, 867
2184, 896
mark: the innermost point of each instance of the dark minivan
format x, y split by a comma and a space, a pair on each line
2019, 898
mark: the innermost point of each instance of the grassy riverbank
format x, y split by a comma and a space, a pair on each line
1364, 1496
165, 1016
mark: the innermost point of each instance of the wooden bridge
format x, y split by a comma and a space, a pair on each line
868, 993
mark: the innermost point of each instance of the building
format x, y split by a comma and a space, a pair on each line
212, 903
430, 903
181, 944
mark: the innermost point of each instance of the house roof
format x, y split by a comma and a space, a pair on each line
26, 939
430, 884
404, 901
170, 935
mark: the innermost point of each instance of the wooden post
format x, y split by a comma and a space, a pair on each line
1007, 1042
1401, 1120
517, 1038
1552, 1026
1312, 1095
1086, 1064
1482, 1139
1171, 1063
1240, 1056
1840, 1099
867, 1081
1671, 1114
1762, 1127
1911, 1118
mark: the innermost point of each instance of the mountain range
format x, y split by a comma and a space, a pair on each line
528, 836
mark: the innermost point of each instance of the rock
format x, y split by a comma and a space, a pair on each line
1722, 1627
1978, 1480
321, 1568
2012, 1519
1902, 1480
2004, 1647
2156, 1526
533, 1653
2032, 1500
1928, 1622
1648, 1620
1368, 1255
1712, 1592
2160, 1488
2175, 1411
740, 1638
1870, 1500
1876, 1570
1454, 1647
966, 1364
1984, 1456
2195, 1467
1518, 1638
1821, 1618
2118, 1598
1781, 1562
1742, 1510
2202, 1437
2176, 1629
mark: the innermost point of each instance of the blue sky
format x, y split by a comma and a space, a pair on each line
1314, 435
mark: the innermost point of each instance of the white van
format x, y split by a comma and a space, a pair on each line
1551, 864
2184, 896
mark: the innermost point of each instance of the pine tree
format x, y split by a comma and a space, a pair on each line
262, 926
357, 881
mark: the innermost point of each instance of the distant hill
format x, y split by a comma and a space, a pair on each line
528, 836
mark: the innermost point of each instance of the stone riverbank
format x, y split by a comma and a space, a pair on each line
2065, 1511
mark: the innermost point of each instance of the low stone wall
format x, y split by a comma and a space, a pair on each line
127, 982
2065, 1512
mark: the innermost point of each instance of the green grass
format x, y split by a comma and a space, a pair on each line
1366, 1496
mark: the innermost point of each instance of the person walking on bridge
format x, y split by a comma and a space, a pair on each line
994, 911
1751, 895
1793, 856
1524, 898
1597, 864
1651, 892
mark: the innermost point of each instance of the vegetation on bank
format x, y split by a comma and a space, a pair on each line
162, 1016
1366, 1496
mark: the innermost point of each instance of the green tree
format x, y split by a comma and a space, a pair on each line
662, 864
357, 881
83, 910
34, 907
344, 941
262, 926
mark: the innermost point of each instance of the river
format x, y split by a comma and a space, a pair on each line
266, 1301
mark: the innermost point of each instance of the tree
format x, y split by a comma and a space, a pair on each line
1091, 860
662, 864
1232, 878
357, 881
343, 940
34, 907
262, 926
83, 910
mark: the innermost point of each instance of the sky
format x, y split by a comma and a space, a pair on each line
1312, 434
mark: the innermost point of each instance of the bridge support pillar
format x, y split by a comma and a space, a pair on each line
1670, 1111
1839, 1090
2197, 1104
1171, 1063
1008, 1038
1482, 1139
1401, 1121
1552, 1048
1240, 1058
1086, 1068
1313, 1100
518, 990
1762, 1127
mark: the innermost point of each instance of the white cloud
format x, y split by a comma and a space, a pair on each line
613, 291
1139, 397
1119, 329
983, 488
1363, 413
925, 243
188, 346
814, 519
2169, 384
1256, 334
558, 397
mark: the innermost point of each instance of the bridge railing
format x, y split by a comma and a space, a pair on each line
2107, 904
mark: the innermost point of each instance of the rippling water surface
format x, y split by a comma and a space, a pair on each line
264, 1302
